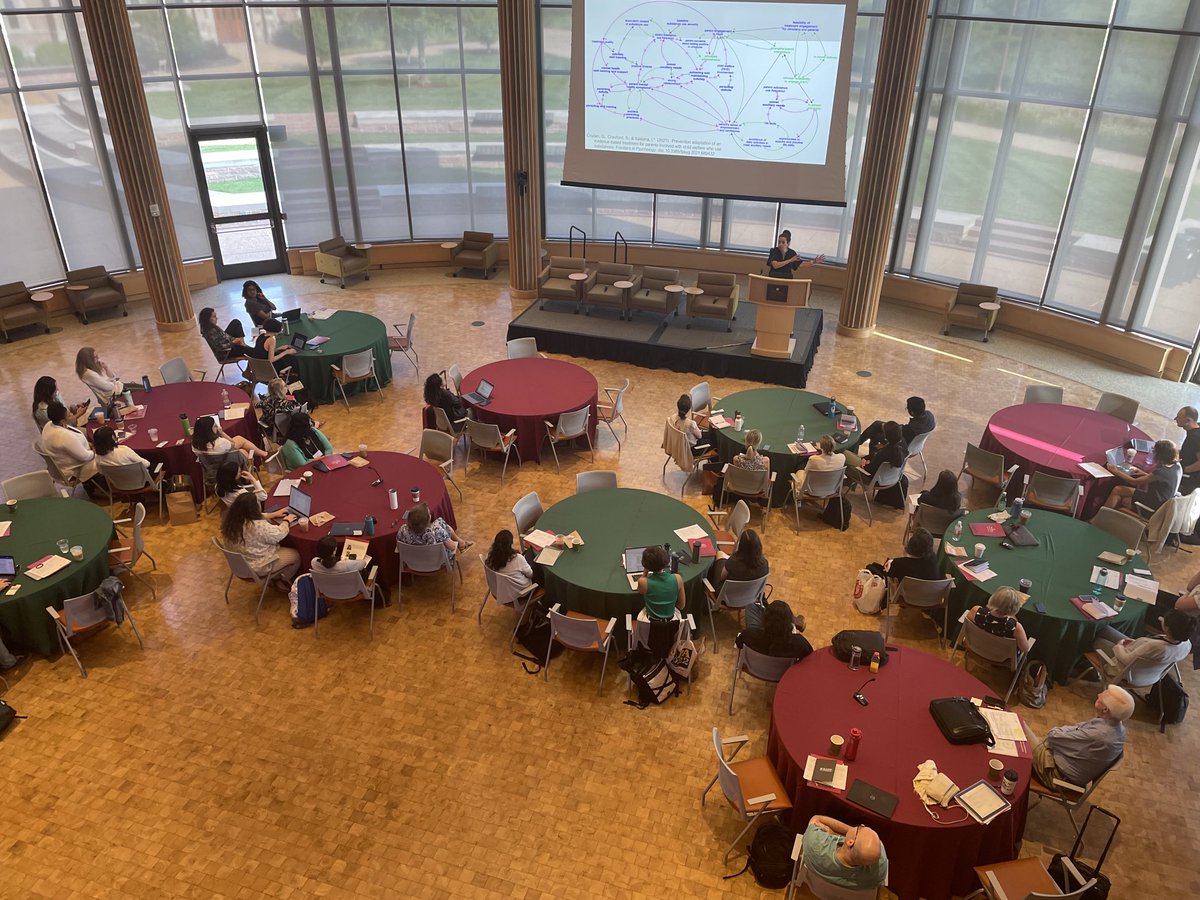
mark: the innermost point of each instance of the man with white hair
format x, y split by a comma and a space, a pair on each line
1079, 753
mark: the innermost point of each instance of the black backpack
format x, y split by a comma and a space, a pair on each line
651, 676
534, 636
831, 516
1174, 699
7, 714
770, 855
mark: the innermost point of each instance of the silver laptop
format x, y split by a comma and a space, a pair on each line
1116, 459
299, 503
482, 395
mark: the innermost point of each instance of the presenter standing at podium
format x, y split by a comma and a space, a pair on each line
782, 261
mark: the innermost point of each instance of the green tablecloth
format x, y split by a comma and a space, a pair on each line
38, 524
1059, 568
348, 332
592, 579
777, 413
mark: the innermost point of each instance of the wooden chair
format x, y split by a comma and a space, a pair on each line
1028, 878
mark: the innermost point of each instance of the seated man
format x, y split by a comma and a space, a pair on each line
844, 856
920, 421
1152, 652
1079, 753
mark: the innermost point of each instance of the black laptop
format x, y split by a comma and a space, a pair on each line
290, 315
877, 800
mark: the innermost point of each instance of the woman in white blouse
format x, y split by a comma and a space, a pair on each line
209, 437
328, 559
247, 530
110, 453
95, 373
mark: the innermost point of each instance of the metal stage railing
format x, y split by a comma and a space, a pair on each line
571, 241
624, 243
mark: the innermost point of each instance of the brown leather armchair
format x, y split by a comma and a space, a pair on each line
339, 260
719, 300
605, 293
17, 309
963, 308
650, 295
94, 289
554, 283
477, 251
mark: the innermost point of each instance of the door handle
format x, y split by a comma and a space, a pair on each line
283, 217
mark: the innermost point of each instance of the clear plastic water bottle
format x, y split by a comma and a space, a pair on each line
800, 435
224, 399
958, 529
1003, 501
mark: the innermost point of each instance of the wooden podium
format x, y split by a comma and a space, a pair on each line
777, 300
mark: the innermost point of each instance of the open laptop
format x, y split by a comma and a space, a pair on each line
632, 557
8, 567
482, 395
876, 799
1141, 446
299, 504
1116, 458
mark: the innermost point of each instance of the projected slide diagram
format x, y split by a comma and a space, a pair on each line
747, 81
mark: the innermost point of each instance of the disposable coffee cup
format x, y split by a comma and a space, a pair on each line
307, 476
12, 507
416, 494
393, 499
1119, 602
362, 451
1025, 585
1130, 454
76, 552
1026, 515
979, 550
153, 432
99, 418
995, 769
1009, 784
128, 397
836, 742
303, 523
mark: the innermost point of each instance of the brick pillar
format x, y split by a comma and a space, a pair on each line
883, 155
111, 43
519, 83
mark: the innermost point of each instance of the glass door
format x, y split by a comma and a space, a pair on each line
240, 202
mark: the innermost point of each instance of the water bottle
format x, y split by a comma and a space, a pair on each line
852, 745
855, 656
832, 408
958, 529
369, 525
185, 425
1100, 587
800, 435
1014, 511
875, 662
1003, 501
224, 399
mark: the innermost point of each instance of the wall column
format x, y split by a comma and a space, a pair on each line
891, 110
521, 99
111, 42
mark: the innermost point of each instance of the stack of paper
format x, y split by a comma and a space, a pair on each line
359, 462
539, 539
719, 422
1095, 470
1005, 725
805, 448
1000, 517
976, 570
1139, 588
955, 550
1093, 608
46, 567
691, 533
236, 411
283, 488
548, 557
322, 313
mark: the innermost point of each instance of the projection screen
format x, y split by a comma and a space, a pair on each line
711, 98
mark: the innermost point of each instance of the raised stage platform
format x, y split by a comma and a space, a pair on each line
705, 349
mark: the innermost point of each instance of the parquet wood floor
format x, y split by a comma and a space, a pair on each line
233, 761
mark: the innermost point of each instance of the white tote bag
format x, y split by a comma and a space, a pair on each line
869, 591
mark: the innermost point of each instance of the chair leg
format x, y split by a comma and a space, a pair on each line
591, 449
603, 668
479, 616
262, 595
371, 623
133, 625
557, 470
712, 623
733, 686
75, 656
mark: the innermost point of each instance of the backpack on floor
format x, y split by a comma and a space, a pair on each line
1173, 697
895, 495
651, 676
870, 592
831, 516
302, 598
770, 856
534, 636
7, 714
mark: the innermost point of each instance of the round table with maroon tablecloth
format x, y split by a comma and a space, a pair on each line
926, 858
348, 495
530, 392
1055, 439
163, 405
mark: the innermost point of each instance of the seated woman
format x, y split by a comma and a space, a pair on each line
919, 560
944, 494
234, 480
775, 635
304, 443
746, 563
1172, 646
825, 461
258, 306
268, 345
247, 530
95, 373
45, 392
420, 529
752, 459
227, 344
503, 559
1000, 616
209, 437
328, 559
110, 453
662, 590
1153, 488
277, 400
685, 423
447, 401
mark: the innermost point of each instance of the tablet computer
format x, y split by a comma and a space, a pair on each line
7, 566
633, 560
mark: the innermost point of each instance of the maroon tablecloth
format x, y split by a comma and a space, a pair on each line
163, 406
1052, 438
926, 858
348, 495
530, 392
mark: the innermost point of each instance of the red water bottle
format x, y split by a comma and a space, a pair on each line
852, 745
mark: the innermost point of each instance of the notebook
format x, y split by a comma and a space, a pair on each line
876, 799
331, 462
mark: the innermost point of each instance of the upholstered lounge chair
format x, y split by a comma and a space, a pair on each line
337, 259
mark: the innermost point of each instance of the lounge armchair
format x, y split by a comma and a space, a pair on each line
17, 309
651, 296
94, 289
554, 283
339, 260
964, 308
604, 292
477, 251
719, 300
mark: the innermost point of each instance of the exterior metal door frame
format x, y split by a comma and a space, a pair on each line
257, 133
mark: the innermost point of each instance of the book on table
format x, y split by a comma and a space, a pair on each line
1093, 608
987, 529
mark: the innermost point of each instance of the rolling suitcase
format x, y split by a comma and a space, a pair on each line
1099, 891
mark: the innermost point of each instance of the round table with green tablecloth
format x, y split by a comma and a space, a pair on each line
592, 578
37, 525
778, 413
1060, 568
348, 332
